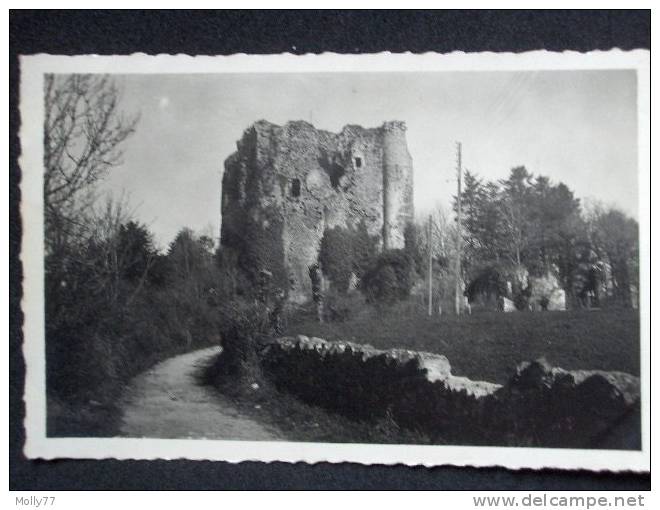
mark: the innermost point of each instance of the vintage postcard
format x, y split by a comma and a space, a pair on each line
393, 258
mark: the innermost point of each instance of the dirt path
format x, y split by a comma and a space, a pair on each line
167, 402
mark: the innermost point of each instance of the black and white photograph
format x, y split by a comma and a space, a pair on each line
427, 259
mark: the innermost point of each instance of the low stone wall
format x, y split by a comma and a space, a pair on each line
539, 406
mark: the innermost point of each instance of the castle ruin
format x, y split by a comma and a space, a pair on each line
285, 185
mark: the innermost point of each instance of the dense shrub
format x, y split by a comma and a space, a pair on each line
499, 280
521, 299
413, 249
92, 355
488, 285
232, 281
257, 245
346, 251
336, 257
365, 249
390, 278
108, 319
242, 324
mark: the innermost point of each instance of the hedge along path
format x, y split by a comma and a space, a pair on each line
168, 402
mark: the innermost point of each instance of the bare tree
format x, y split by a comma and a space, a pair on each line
439, 242
83, 134
113, 253
442, 240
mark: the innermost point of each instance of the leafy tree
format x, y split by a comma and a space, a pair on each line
472, 201
615, 237
136, 248
190, 259
515, 203
491, 225
482, 222
556, 228
521, 220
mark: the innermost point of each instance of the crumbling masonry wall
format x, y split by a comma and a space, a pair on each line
540, 405
286, 184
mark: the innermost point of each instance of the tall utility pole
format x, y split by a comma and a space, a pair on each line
459, 238
430, 243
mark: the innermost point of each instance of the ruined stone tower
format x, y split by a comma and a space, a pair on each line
286, 184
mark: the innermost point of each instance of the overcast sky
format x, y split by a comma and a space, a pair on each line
578, 127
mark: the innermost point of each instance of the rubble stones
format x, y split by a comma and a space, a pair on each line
577, 408
505, 305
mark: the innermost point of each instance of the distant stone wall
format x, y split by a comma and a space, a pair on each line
539, 406
289, 183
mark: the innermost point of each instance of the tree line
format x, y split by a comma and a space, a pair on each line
529, 221
512, 229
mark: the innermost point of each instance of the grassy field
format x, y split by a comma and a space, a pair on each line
488, 345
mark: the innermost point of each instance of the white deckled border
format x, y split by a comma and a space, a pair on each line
31, 163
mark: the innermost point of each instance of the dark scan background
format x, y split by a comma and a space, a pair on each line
264, 32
